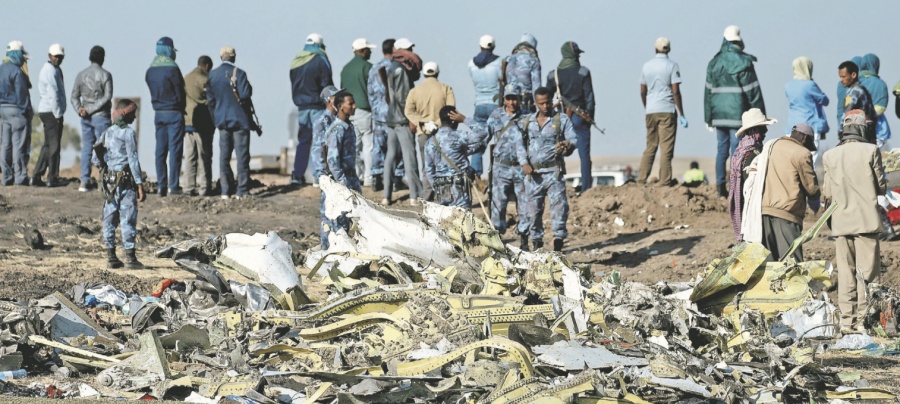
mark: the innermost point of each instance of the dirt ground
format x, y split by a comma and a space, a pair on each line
662, 234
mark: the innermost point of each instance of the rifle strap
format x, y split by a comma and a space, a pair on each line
444, 155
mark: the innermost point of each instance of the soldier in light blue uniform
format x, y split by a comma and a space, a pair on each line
121, 177
340, 152
450, 176
378, 103
549, 136
506, 172
523, 69
318, 137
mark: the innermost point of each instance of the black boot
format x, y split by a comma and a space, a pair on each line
131, 261
723, 191
523, 242
557, 244
112, 262
537, 244
377, 183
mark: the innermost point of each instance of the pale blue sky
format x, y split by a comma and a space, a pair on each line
617, 37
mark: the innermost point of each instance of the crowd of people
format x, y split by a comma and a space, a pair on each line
393, 124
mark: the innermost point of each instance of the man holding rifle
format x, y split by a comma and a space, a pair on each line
227, 90
572, 83
506, 173
548, 137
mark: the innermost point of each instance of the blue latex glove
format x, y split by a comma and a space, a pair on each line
683, 121
814, 204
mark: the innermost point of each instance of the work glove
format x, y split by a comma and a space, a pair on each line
710, 128
683, 121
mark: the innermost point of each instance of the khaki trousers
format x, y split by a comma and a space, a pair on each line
858, 262
660, 133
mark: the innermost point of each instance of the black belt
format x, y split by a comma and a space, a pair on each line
511, 163
548, 164
454, 179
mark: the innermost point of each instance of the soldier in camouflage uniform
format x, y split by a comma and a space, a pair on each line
549, 135
378, 103
523, 69
506, 173
340, 158
447, 158
121, 177
318, 138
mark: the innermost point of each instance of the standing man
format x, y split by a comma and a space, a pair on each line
487, 74
15, 114
447, 158
310, 73
506, 173
423, 104
878, 90
399, 77
854, 177
198, 130
856, 97
51, 110
790, 184
92, 99
522, 68
340, 158
807, 102
375, 90
731, 89
576, 93
167, 96
354, 79
661, 96
226, 90
548, 137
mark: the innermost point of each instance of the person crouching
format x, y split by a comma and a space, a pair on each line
447, 157
117, 157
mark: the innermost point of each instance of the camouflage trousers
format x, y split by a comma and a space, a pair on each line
452, 191
379, 149
506, 181
538, 187
123, 209
341, 222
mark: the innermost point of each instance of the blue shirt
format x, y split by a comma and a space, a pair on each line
457, 144
121, 151
166, 86
542, 140
341, 156
376, 91
658, 74
318, 141
486, 80
505, 142
806, 103
14, 87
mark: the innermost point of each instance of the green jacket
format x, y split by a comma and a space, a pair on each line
196, 109
354, 78
731, 87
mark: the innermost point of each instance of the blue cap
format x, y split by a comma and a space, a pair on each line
166, 41
512, 89
328, 92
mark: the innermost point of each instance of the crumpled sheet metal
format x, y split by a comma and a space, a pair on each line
575, 355
264, 258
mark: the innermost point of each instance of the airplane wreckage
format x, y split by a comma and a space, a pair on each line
434, 307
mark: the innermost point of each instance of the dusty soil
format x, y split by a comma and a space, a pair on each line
663, 234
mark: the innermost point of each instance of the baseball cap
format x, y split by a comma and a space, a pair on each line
226, 51
431, 69
486, 42
663, 44
57, 50
362, 43
403, 43
512, 90
732, 33
315, 39
166, 41
328, 92
576, 48
17, 46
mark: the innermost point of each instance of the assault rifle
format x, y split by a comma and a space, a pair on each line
246, 105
